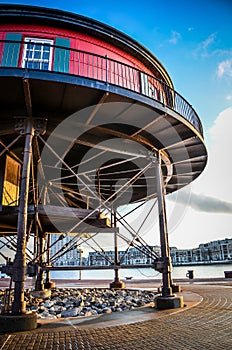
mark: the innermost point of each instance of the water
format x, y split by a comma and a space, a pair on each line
205, 271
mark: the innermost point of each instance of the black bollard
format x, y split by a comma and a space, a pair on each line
190, 274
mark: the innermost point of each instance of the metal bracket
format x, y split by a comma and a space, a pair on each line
39, 124
11, 270
8, 269
162, 265
152, 156
33, 270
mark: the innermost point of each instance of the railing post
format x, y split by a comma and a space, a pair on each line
106, 59
167, 95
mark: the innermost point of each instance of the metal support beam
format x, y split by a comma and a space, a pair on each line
116, 278
96, 267
19, 305
97, 107
39, 285
165, 253
48, 283
28, 127
80, 262
163, 264
116, 283
27, 95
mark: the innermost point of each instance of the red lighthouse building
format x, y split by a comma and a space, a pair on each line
89, 121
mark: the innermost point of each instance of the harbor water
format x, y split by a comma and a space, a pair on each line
200, 271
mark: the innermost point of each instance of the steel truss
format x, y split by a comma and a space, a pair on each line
89, 193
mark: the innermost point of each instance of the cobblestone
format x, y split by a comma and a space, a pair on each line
205, 326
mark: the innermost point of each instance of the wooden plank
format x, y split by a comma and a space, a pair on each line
67, 212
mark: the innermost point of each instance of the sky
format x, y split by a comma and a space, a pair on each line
192, 39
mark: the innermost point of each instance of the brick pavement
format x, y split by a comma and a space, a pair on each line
205, 326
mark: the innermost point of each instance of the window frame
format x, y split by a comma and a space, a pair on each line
43, 41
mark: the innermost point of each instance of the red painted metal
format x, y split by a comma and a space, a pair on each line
2, 37
78, 41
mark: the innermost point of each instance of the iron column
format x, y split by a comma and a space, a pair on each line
80, 262
19, 275
165, 254
116, 283
116, 277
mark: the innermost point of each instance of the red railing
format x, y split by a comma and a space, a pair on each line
105, 69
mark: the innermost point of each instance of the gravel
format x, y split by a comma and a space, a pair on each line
73, 302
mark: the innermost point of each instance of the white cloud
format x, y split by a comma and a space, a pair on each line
215, 182
175, 37
208, 41
220, 132
229, 97
203, 203
202, 48
225, 68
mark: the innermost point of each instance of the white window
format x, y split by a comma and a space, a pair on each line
37, 54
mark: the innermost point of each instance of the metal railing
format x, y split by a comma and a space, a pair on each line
100, 68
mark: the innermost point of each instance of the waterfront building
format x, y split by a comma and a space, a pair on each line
132, 256
211, 252
61, 256
141, 256
181, 255
217, 250
126, 257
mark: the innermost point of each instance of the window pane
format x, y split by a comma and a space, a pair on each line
45, 56
38, 47
31, 46
36, 65
45, 66
47, 47
37, 54
29, 64
28, 54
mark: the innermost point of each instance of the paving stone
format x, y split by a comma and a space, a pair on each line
205, 326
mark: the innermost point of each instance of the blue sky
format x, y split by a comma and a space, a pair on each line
192, 39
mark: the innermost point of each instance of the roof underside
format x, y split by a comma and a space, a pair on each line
109, 146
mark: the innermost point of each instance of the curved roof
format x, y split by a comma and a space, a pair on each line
117, 131
59, 18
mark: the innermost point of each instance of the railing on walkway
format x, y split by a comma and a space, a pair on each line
47, 57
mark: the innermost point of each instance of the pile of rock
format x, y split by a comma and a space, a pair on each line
71, 302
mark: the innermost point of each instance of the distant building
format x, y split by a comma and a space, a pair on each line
71, 257
217, 250
181, 255
141, 256
131, 257
211, 252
